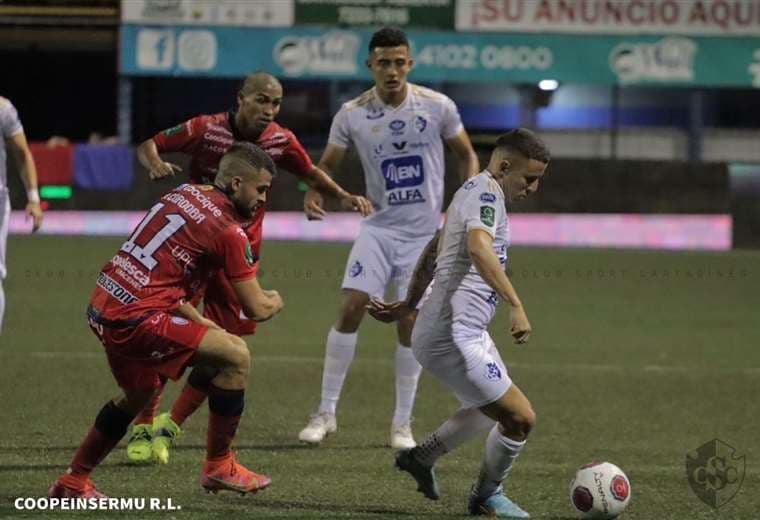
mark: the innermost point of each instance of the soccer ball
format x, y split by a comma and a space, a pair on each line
600, 490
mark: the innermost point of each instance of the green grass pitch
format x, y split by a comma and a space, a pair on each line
636, 358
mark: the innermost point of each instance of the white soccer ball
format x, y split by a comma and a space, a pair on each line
600, 490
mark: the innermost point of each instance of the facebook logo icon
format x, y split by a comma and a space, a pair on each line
155, 49
402, 172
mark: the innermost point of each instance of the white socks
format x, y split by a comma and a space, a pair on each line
407, 376
339, 353
459, 428
501, 452
2, 305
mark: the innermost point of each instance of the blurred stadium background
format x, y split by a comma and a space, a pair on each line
646, 329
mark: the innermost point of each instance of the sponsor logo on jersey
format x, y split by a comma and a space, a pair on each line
177, 320
397, 126
400, 146
487, 215
403, 172
206, 187
113, 288
356, 269
468, 185
492, 298
493, 372
420, 124
378, 149
487, 197
375, 114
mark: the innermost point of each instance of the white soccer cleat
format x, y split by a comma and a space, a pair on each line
319, 426
401, 437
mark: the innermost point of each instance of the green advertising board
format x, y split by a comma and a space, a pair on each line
312, 52
429, 14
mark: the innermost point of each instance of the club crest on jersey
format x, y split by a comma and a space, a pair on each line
356, 269
397, 126
420, 124
487, 197
493, 372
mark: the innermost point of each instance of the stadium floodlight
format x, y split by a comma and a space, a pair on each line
548, 85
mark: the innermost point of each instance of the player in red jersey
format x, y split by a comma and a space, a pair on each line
205, 138
139, 313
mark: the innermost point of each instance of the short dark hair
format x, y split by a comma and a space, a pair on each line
524, 142
388, 37
248, 153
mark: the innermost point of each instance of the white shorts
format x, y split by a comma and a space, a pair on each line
5, 217
472, 369
379, 257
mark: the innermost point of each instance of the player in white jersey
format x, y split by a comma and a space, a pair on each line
14, 140
398, 130
450, 337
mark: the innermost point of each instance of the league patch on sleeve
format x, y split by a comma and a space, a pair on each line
487, 215
487, 197
173, 130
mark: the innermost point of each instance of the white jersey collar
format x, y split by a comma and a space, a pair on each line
391, 108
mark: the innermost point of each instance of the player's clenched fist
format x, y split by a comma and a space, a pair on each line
520, 325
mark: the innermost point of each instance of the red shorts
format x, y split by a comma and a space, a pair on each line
161, 346
220, 303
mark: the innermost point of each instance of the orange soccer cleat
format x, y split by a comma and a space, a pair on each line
70, 487
229, 474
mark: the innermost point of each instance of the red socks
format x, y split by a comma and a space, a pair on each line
187, 403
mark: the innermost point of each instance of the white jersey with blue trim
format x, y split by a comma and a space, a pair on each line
401, 151
461, 303
10, 125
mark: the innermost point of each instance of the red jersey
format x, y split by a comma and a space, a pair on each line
191, 230
206, 138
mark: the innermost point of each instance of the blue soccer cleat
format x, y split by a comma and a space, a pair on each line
496, 505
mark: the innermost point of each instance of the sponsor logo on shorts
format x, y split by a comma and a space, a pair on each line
492, 371
356, 269
487, 197
487, 215
115, 289
177, 320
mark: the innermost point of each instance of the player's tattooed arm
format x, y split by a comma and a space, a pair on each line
423, 275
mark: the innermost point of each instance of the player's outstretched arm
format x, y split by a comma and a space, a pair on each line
258, 304
20, 151
467, 159
480, 248
421, 278
147, 154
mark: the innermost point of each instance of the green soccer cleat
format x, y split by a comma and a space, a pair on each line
165, 433
139, 447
